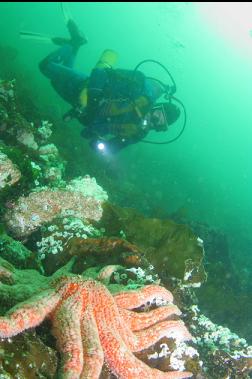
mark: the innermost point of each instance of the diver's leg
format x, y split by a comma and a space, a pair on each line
58, 65
66, 81
62, 57
77, 38
66, 54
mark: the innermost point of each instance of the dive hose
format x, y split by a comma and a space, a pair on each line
169, 95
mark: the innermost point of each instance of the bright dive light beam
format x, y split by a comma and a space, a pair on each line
100, 146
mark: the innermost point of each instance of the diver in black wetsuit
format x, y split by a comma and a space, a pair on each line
116, 107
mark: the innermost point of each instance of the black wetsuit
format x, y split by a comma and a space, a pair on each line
111, 93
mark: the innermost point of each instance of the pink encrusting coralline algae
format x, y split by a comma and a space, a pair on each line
43, 206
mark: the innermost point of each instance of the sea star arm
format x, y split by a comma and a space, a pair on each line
89, 329
170, 329
147, 294
92, 350
28, 314
66, 329
117, 342
126, 366
106, 272
138, 321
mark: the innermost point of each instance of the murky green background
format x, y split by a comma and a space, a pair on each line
207, 173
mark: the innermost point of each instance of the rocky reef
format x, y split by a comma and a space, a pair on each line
63, 242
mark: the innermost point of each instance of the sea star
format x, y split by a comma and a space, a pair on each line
92, 326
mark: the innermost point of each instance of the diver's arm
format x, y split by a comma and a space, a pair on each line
115, 144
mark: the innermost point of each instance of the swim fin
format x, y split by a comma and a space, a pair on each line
35, 36
77, 38
66, 12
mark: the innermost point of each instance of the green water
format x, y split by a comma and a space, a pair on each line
207, 171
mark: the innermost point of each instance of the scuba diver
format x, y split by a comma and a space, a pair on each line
116, 107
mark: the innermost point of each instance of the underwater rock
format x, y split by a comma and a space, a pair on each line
17, 285
225, 354
213, 340
26, 357
53, 174
171, 248
41, 207
45, 130
14, 127
88, 187
52, 165
167, 355
7, 93
49, 149
52, 244
25, 172
17, 254
100, 251
19, 134
26, 137
133, 276
67, 237
222, 297
9, 173
20, 284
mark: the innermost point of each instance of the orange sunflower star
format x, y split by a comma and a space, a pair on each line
92, 327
